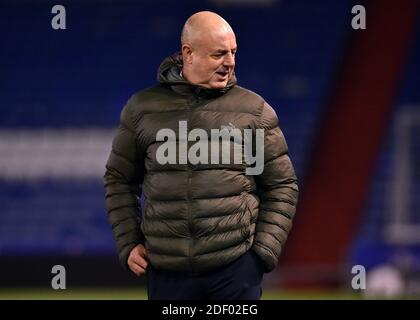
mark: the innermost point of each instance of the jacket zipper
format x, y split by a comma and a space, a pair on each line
190, 222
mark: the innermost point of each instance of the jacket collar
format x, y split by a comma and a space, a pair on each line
170, 74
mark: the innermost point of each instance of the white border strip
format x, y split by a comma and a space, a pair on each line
54, 153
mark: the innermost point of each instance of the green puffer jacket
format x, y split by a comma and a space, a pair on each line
197, 217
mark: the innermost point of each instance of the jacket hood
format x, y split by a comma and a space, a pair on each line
169, 73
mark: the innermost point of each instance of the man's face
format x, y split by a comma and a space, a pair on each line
213, 60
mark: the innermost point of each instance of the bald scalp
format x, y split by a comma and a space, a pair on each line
201, 25
208, 50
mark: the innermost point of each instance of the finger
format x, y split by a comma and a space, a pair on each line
139, 260
138, 270
142, 251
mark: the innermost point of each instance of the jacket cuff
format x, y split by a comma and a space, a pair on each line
123, 256
268, 259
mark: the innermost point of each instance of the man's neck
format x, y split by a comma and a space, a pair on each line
184, 74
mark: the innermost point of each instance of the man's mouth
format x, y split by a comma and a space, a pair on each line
223, 74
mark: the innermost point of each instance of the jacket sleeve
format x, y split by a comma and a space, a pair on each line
278, 190
122, 179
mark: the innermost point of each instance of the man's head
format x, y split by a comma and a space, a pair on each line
208, 50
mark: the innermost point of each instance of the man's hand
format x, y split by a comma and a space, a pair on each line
137, 260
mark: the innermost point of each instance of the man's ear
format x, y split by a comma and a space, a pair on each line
187, 53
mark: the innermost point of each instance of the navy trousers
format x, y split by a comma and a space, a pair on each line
239, 280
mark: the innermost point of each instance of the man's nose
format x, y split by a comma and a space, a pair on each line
229, 60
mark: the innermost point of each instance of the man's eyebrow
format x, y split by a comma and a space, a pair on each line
221, 51
224, 50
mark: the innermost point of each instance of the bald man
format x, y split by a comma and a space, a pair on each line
210, 227
208, 50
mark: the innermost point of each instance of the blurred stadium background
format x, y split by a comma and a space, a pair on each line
348, 102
